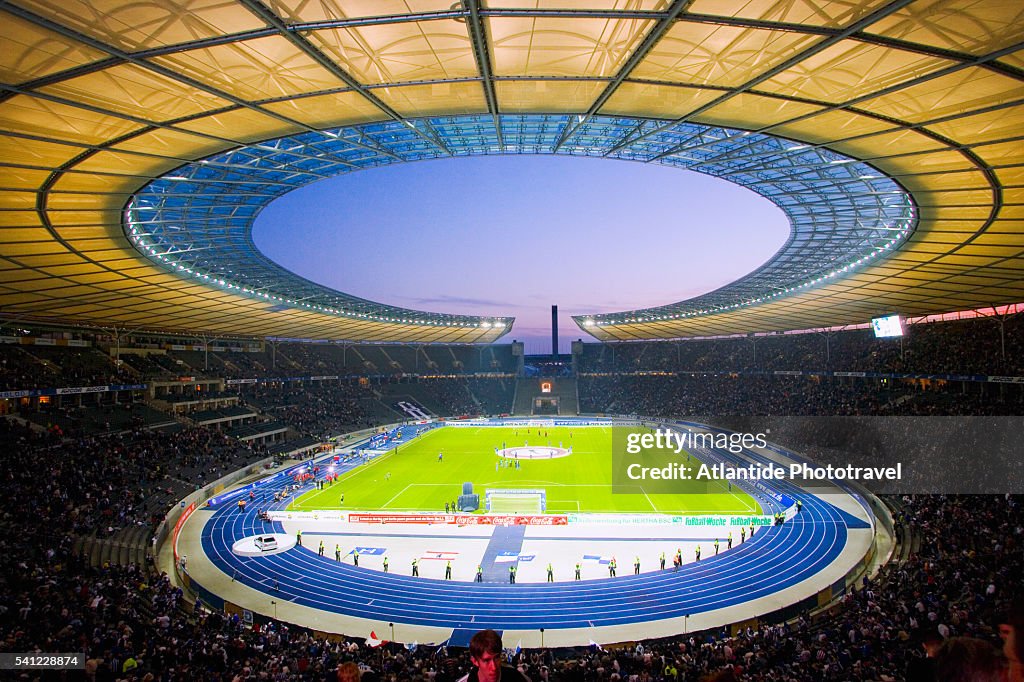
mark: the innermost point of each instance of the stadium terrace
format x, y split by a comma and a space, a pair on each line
228, 471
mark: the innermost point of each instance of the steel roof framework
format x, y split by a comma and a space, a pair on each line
100, 98
198, 219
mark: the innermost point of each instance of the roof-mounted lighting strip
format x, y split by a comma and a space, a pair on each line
166, 257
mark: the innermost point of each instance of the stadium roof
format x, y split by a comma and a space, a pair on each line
139, 141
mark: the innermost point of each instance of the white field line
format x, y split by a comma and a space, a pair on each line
397, 495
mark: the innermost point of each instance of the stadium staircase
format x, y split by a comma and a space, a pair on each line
908, 542
457, 365
525, 389
21, 421
568, 396
378, 408
127, 546
476, 401
429, 362
393, 364
367, 365
282, 361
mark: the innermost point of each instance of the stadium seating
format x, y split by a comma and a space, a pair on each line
91, 502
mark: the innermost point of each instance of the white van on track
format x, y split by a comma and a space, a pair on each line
266, 543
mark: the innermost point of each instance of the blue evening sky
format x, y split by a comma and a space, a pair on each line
512, 235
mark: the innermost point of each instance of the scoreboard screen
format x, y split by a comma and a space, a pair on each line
887, 326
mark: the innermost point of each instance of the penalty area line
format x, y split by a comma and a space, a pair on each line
397, 495
649, 501
724, 485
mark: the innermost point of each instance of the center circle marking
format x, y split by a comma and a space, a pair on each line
534, 452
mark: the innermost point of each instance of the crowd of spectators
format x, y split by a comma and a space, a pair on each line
96, 417
397, 360
495, 395
976, 346
445, 397
700, 395
321, 410
75, 486
33, 367
962, 571
988, 346
41, 366
18, 369
938, 454
130, 625
245, 364
152, 365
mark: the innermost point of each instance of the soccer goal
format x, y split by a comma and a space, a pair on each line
512, 501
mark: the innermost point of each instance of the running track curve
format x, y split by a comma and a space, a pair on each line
776, 558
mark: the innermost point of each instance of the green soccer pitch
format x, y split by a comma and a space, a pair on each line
413, 479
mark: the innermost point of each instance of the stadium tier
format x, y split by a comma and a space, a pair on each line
217, 469
375, 497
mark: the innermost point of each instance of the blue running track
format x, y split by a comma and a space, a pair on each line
776, 558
